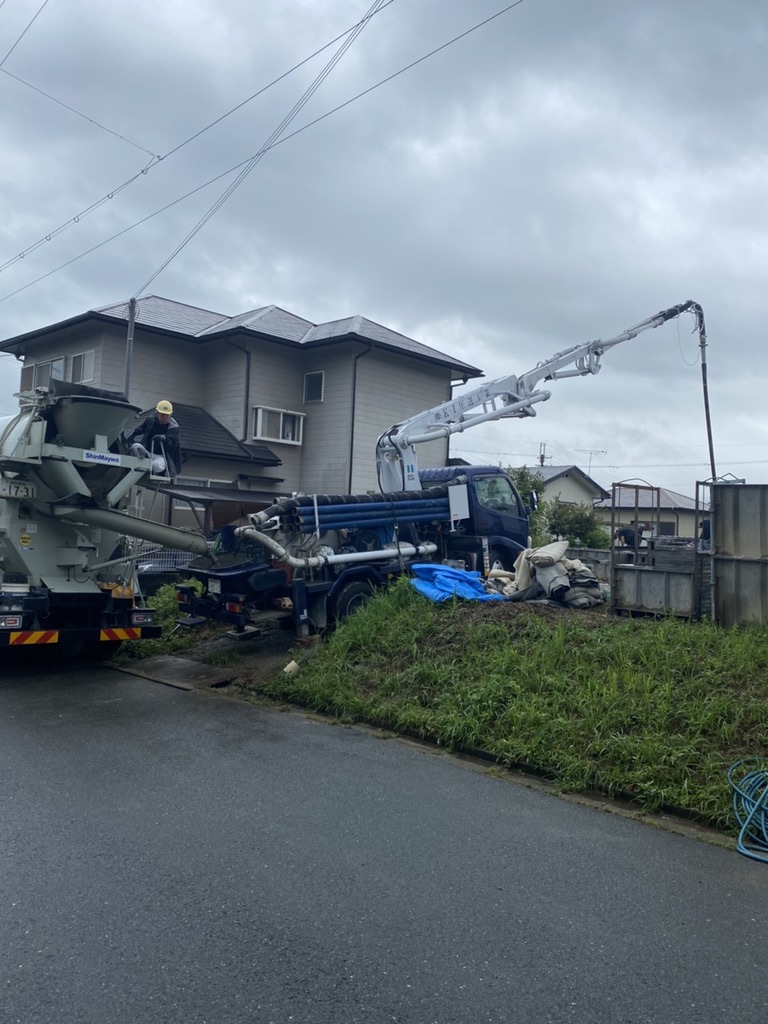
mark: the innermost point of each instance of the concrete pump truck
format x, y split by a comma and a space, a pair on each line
321, 555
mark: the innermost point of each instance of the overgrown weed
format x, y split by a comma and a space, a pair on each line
651, 709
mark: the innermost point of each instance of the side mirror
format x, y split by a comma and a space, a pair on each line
533, 501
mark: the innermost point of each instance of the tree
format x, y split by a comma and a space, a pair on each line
557, 520
578, 524
530, 486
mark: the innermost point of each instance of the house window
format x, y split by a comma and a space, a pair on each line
314, 385
40, 375
278, 425
82, 367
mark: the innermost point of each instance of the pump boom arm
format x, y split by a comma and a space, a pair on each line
502, 398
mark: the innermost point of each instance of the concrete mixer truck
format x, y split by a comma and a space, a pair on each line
67, 576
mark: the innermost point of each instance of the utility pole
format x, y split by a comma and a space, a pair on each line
542, 452
129, 347
590, 452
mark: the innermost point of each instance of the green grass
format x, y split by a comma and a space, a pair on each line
651, 709
174, 639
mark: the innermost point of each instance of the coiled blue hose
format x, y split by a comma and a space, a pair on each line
750, 805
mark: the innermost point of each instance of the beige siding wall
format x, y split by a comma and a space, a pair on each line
684, 521
391, 388
161, 368
112, 375
224, 386
571, 489
276, 383
327, 427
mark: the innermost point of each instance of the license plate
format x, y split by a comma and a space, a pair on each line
214, 586
17, 489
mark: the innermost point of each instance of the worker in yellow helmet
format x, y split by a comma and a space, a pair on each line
158, 439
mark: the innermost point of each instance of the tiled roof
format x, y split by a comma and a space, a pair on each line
550, 473
269, 320
155, 311
201, 434
368, 330
158, 313
642, 497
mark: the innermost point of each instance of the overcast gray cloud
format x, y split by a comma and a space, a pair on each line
557, 175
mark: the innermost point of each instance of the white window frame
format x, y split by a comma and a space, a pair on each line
321, 375
88, 356
260, 428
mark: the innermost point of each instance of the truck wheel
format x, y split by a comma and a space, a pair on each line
350, 598
500, 559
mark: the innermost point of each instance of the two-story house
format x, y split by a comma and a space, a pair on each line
268, 403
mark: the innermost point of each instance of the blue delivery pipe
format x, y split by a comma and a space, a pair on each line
345, 524
374, 506
392, 517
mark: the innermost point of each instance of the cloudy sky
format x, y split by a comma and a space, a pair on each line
556, 175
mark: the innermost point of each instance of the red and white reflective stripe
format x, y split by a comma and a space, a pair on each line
36, 636
120, 634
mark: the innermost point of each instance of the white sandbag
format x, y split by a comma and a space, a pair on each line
523, 570
549, 553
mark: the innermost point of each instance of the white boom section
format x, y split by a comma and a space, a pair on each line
505, 397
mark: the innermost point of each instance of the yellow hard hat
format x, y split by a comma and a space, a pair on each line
165, 408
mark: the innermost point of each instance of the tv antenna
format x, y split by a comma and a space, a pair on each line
590, 452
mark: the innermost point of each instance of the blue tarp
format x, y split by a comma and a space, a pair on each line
441, 583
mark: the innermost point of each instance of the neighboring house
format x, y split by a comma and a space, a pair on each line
267, 402
669, 513
570, 485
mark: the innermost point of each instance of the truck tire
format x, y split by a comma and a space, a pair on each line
498, 558
350, 598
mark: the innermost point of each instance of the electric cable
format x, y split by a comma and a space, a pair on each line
273, 137
223, 174
29, 26
156, 159
74, 110
408, 67
750, 805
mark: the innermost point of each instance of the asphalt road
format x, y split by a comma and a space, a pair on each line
175, 856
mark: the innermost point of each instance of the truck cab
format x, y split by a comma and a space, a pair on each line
496, 529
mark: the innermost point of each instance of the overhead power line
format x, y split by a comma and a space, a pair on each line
78, 217
74, 110
230, 170
29, 26
271, 140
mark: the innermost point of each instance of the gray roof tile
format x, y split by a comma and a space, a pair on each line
270, 320
550, 473
156, 312
368, 330
643, 498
